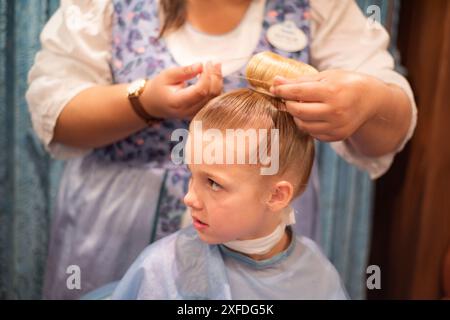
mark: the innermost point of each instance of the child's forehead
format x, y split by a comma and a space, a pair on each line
229, 124
230, 137
233, 149
229, 171
226, 143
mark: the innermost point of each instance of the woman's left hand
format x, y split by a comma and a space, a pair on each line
331, 105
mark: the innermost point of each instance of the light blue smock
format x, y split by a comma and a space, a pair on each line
182, 266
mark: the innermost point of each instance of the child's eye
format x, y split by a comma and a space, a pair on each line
214, 185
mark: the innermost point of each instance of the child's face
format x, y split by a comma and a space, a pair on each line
227, 202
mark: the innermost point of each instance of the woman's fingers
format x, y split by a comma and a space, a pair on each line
313, 118
312, 91
209, 86
216, 80
313, 127
308, 111
319, 130
197, 93
279, 80
177, 75
322, 130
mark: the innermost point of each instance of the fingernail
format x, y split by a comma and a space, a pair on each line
197, 67
272, 90
218, 67
279, 80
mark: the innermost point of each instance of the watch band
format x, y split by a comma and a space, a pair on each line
134, 92
140, 111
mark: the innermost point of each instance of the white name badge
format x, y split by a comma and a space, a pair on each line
287, 36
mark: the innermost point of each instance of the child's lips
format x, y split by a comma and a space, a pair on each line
198, 224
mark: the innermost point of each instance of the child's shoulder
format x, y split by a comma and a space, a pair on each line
312, 253
165, 247
318, 267
153, 275
311, 246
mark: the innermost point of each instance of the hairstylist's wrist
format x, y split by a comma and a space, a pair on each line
139, 105
151, 100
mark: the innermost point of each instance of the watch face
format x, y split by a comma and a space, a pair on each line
136, 87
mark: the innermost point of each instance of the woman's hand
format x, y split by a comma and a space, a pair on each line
332, 105
168, 96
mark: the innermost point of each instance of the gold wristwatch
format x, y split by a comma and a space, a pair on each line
135, 90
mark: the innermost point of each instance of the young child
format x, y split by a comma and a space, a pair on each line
241, 245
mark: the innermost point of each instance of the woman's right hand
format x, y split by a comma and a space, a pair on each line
168, 96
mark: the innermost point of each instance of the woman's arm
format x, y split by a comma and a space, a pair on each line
97, 116
344, 41
338, 105
71, 98
384, 132
75, 57
102, 115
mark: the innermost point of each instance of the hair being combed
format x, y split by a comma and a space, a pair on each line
265, 66
247, 109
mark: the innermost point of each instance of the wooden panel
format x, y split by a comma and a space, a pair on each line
446, 275
412, 218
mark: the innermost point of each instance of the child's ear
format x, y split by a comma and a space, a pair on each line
281, 195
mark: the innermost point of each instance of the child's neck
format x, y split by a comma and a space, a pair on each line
281, 246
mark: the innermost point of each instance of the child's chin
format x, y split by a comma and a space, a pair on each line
208, 240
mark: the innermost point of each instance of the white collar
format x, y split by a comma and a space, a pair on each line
265, 244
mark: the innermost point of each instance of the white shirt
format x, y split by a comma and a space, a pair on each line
76, 55
233, 49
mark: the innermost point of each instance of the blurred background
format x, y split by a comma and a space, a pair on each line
400, 222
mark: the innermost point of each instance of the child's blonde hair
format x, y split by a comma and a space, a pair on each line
245, 109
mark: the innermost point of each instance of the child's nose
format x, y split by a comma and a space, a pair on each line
191, 200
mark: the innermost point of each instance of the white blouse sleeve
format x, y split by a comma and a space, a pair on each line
75, 55
343, 38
